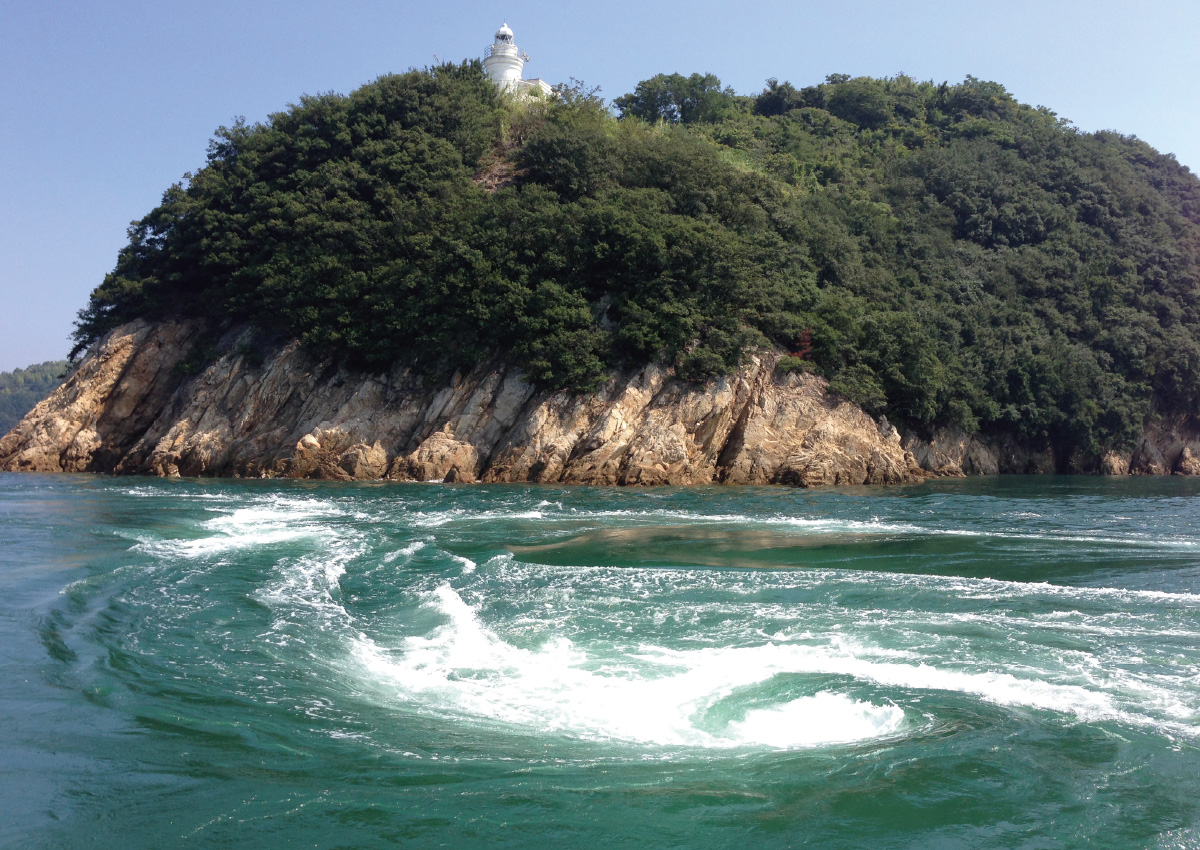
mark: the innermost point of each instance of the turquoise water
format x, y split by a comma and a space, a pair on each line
1010, 662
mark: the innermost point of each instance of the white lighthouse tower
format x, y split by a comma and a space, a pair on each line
504, 63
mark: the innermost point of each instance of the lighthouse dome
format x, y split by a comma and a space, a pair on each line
504, 63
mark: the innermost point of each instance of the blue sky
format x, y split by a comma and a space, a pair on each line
103, 106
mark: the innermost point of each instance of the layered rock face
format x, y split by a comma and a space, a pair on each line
1165, 448
131, 409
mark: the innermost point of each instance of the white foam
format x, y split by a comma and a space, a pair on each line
810, 524
725, 694
405, 551
822, 719
279, 520
463, 667
1138, 540
276, 511
305, 589
991, 588
309, 582
722, 697
844, 659
436, 519
205, 546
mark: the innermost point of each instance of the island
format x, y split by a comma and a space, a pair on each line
458, 274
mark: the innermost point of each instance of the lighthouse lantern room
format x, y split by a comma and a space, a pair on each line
504, 63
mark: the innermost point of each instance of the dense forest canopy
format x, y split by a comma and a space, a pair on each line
941, 253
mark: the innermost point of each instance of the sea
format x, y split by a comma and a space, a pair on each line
1008, 662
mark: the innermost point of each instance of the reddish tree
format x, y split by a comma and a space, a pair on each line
803, 347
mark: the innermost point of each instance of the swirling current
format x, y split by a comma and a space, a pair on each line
1009, 662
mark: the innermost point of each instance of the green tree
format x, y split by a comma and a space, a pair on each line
677, 99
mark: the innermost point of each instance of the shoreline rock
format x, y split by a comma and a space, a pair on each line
1164, 449
130, 409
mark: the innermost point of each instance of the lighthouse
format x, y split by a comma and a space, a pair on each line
504, 63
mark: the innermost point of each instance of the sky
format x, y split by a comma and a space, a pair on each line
104, 106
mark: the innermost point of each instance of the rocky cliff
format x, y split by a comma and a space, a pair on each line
1165, 448
130, 408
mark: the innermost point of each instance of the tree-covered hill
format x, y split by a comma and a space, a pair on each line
942, 253
21, 389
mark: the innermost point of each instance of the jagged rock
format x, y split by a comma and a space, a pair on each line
1015, 458
1148, 460
361, 461
436, 458
1080, 462
1167, 445
1162, 449
952, 452
888, 431
131, 409
1188, 463
100, 411
1114, 464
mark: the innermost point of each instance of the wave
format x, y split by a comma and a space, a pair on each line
280, 520
694, 697
991, 588
404, 552
814, 525
436, 519
748, 686
464, 668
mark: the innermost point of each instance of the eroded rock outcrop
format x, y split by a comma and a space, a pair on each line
90, 421
1165, 448
130, 408
133, 407
953, 452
